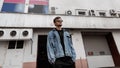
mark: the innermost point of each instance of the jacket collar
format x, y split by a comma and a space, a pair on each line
55, 29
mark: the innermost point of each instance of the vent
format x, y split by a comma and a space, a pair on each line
25, 33
1, 33
13, 33
69, 12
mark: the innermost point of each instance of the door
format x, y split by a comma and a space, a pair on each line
97, 50
42, 60
14, 54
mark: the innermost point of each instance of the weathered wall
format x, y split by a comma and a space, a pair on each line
46, 21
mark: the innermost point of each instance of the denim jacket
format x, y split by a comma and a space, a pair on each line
54, 47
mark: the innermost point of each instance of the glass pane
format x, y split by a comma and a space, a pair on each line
12, 7
38, 6
38, 9
39, 2
20, 44
11, 45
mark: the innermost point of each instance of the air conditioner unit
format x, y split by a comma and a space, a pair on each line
16, 34
12, 34
26, 34
9, 34
53, 10
92, 12
68, 12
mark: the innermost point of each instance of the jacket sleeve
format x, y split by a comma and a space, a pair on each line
72, 50
50, 50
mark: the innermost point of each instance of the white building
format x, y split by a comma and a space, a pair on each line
94, 26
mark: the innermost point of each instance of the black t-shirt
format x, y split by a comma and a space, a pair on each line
61, 34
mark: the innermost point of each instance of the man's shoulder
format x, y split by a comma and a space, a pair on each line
66, 30
51, 31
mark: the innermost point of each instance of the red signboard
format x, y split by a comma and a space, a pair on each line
14, 1
39, 2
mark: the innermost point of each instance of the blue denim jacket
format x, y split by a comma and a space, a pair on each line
54, 47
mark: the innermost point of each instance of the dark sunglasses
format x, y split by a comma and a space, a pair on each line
59, 20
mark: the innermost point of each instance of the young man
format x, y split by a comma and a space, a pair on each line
59, 46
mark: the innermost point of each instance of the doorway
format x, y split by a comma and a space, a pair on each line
42, 60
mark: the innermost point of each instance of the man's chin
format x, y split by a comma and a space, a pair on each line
59, 25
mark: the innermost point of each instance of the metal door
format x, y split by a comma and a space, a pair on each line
14, 54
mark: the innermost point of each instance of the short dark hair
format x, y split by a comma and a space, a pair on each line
54, 20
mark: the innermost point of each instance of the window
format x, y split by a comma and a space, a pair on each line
18, 6
13, 6
38, 6
20, 44
11, 44
16, 44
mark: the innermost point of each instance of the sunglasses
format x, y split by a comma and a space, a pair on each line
59, 20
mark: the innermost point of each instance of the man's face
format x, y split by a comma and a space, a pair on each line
58, 22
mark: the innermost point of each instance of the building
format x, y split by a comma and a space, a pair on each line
94, 26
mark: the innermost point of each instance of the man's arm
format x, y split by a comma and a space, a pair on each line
50, 51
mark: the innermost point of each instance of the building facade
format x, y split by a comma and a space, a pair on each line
93, 24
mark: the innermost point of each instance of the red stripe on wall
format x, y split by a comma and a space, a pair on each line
81, 63
14, 1
39, 2
29, 65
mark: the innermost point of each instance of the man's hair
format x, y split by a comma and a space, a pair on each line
54, 20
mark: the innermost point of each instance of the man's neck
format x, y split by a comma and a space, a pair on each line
58, 28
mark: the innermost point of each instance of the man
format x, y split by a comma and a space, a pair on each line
59, 46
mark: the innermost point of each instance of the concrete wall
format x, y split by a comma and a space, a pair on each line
3, 49
64, 5
81, 61
46, 21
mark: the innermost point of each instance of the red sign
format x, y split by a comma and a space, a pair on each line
14, 1
39, 2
